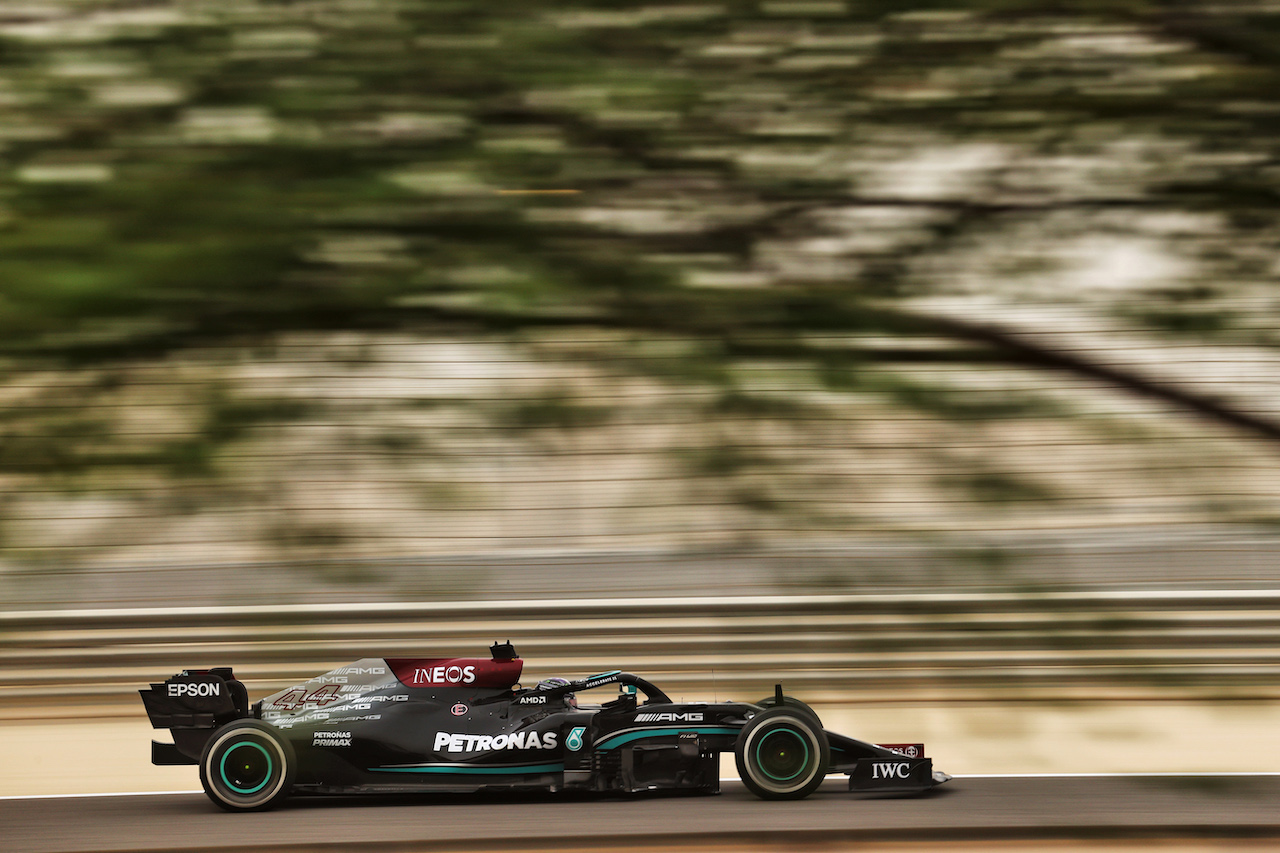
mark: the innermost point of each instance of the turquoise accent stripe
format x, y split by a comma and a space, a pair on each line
474, 770
619, 740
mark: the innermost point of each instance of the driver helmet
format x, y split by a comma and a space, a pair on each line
554, 682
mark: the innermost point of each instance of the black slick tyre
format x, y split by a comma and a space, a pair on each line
247, 766
782, 754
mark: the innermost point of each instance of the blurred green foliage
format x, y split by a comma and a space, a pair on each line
188, 171
759, 203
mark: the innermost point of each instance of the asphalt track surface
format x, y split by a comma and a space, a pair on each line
1085, 809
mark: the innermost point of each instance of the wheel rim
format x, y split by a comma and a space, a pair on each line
782, 754
249, 771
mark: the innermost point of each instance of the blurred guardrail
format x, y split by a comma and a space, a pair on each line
838, 648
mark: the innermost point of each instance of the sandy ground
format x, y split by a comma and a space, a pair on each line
82, 756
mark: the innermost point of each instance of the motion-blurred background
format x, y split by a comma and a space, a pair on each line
421, 301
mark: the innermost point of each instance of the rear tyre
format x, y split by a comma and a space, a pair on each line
782, 754
247, 766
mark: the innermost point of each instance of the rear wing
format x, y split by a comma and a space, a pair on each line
191, 705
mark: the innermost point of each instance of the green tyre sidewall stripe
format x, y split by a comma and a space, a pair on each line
751, 747
782, 730
244, 740
222, 767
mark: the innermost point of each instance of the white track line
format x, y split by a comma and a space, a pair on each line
100, 794
1125, 775
1132, 775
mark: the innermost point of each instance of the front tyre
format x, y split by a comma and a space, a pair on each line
247, 766
782, 754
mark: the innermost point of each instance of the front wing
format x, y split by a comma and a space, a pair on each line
899, 768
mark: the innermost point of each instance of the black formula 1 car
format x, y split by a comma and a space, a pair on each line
397, 725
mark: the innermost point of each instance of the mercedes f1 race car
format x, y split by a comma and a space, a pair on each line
398, 725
